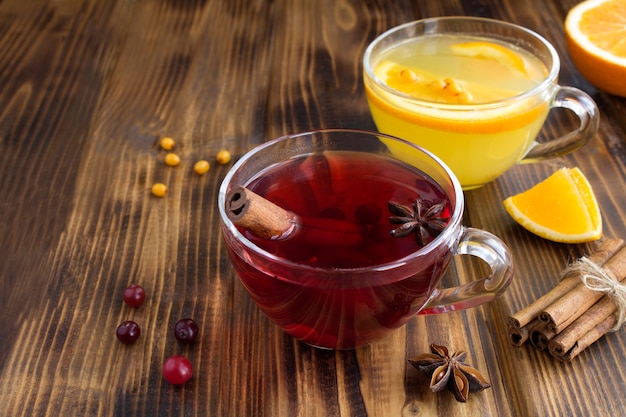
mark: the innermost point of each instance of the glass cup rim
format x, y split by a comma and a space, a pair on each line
446, 235
546, 83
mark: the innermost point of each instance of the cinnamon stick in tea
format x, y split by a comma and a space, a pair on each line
605, 251
267, 220
563, 312
260, 216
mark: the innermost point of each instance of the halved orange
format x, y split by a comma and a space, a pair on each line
561, 208
596, 40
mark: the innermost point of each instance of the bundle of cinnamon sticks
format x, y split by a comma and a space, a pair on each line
571, 316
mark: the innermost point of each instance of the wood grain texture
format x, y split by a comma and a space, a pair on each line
88, 87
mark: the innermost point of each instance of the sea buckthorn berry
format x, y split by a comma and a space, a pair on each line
177, 370
128, 332
223, 157
159, 189
134, 295
172, 159
465, 97
438, 84
201, 167
167, 143
453, 86
409, 75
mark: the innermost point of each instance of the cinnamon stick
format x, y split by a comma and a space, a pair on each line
519, 335
541, 336
605, 251
267, 220
565, 311
583, 327
530, 312
599, 330
260, 216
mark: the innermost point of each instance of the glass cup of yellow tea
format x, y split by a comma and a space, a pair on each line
474, 91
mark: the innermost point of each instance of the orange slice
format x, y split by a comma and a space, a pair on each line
562, 208
493, 51
596, 40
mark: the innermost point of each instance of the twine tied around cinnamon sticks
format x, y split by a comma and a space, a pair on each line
588, 302
598, 279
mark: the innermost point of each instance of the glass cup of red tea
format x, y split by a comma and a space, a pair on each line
341, 236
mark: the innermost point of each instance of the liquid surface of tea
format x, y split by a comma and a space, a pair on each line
333, 305
463, 70
355, 188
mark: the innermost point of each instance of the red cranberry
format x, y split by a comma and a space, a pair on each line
177, 370
186, 330
134, 295
128, 332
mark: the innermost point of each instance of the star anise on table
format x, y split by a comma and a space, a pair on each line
425, 219
450, 371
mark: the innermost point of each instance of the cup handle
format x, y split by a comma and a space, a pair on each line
495, 253
587, 111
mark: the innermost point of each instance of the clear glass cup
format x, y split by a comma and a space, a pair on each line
341, 304
478, 140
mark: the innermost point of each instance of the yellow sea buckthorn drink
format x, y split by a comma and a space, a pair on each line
473, 91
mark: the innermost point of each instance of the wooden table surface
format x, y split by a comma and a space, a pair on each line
88, 87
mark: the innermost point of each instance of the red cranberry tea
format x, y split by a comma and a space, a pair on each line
380, 210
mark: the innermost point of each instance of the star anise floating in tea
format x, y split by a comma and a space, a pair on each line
427, 220
450, 371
